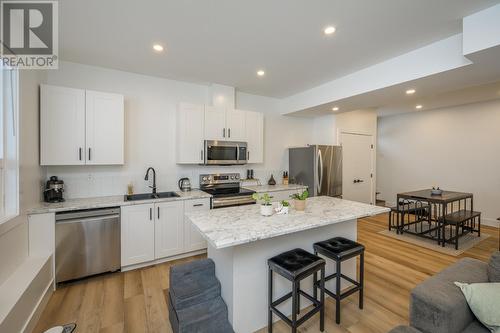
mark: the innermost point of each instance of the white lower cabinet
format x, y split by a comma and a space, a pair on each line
159, 230
137, 234
193, 240
169, 223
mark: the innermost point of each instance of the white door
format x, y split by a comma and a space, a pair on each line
105, 123
235, 124
254, 123
169, 229
190, 129
137, 234
215, 123
193, 240
357, 181
62, 126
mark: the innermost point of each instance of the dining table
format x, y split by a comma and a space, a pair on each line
441, 207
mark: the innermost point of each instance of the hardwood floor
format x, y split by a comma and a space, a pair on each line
134, 301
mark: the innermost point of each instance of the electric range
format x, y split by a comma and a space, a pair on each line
225, 190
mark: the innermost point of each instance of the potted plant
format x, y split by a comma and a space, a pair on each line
284, 206
299, 200
266, 209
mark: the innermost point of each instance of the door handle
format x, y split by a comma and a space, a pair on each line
89, 154
80, 153
150, 214
223, 132
158, 213
228, 132
201, 155
358, 181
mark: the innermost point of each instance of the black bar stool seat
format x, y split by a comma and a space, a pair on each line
296, 265
340, 249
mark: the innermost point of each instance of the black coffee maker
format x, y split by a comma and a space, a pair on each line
53, 190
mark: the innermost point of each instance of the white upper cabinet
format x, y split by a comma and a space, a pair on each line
215, 123
254, 122
62, 126
196, 123
80, 127
235, 125
190, 133
104, 128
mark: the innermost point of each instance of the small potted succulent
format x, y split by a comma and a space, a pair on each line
299, 200
266, 208
283, 207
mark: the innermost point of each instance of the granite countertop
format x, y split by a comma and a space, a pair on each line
109, 201
233, 226
274, 188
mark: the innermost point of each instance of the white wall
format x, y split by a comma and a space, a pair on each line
454, 148
150, 108
14, 234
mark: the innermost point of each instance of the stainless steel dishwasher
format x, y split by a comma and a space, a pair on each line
87, 243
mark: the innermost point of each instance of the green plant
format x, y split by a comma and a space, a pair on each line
285, 203
265, 198
300, 196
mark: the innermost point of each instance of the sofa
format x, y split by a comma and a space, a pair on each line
438, 306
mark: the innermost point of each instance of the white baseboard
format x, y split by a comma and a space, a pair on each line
162, 260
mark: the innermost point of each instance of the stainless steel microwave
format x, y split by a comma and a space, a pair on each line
225, 152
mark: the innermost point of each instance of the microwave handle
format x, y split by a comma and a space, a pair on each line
237, 153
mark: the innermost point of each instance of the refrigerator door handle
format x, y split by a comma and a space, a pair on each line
320, 174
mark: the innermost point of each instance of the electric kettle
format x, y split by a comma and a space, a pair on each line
184, 184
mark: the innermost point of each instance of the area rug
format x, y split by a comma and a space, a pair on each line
465, 242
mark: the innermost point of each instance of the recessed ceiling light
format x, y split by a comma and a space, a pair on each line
410, 91
157, 47
418, 107
335, 108
329, 30
260, 72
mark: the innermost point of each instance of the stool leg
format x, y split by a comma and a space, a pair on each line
337, 293
479, 226
294, 307
298, 297
361, 278
270, 301
315, 280
322, 301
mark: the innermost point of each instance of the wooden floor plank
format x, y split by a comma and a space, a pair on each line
135, 301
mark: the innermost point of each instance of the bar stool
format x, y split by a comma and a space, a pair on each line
296, 265
340, 249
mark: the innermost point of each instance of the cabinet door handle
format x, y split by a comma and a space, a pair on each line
229, 132
223, 132
80, 153
248, 156
150, 214
158, 213
201, 155
197, 205
89, 154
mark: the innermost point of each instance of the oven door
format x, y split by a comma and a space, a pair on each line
225, 152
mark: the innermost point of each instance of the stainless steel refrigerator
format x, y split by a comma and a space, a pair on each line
319, 167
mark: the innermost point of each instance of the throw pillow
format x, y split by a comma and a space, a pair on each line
484, 301
494, 267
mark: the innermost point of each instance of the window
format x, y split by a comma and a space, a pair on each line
9, 138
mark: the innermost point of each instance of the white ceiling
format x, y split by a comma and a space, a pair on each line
226, 41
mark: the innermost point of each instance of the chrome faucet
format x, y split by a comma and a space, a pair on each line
154, 179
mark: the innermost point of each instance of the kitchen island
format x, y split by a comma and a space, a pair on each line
240, 241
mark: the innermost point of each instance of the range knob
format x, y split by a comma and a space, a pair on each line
237, 176
232, 177
204, 179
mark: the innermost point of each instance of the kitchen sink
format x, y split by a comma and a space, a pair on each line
149, 196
